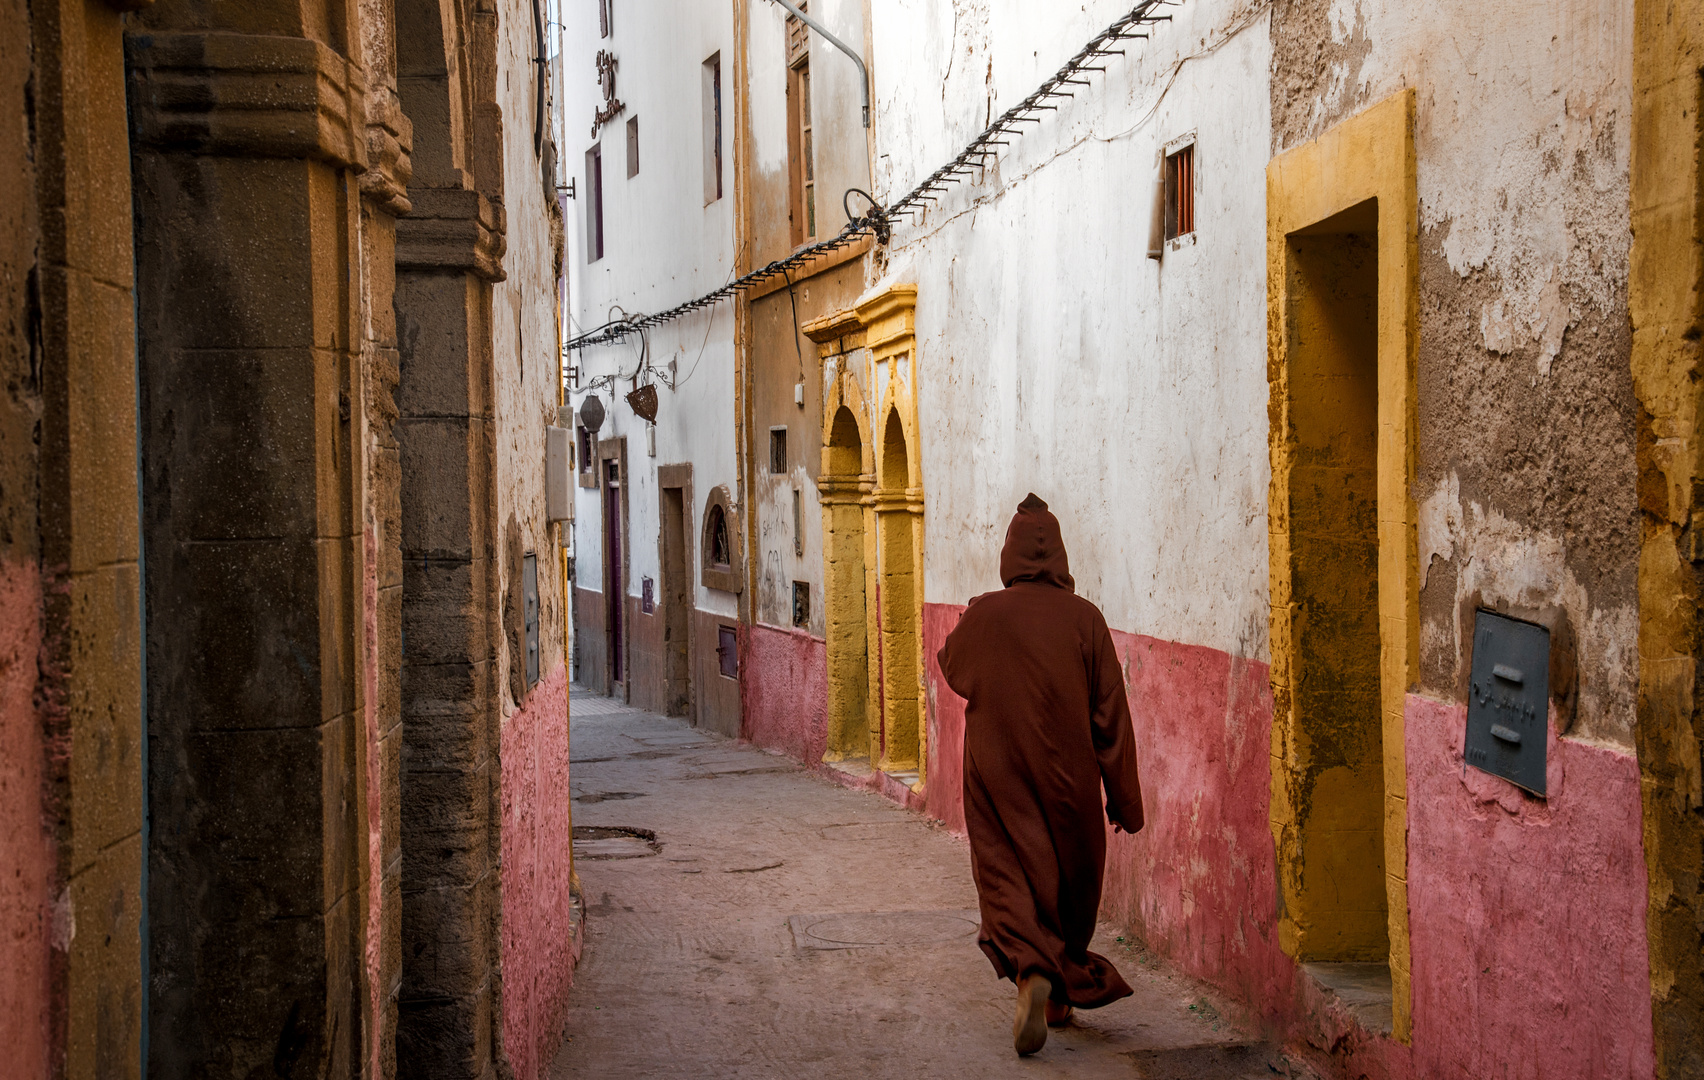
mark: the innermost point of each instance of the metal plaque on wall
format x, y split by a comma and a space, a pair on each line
529, 600
1508, 704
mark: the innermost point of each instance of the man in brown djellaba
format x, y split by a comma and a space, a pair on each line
1046, 726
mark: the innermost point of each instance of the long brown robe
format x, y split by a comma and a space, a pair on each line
1047, 724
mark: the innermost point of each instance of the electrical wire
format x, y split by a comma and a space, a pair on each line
877, 220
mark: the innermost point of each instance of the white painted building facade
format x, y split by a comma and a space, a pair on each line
651, 225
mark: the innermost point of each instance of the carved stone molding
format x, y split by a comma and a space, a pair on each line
390, 140
452, 229
247, 95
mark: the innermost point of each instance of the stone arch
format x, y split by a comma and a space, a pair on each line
899, 527
842, 489
873, 526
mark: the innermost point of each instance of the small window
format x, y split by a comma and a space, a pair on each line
712, 129
719, 545
605, 20
778, 450
801, 603
798, 523
1180, 192
585, 449
801, 153
728, 651
594, 204
632, 147
716, 530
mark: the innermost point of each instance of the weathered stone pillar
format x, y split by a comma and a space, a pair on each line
249, 136
70, 636
448, 253
384, 199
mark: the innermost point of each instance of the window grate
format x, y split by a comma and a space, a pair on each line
778, 450
801, 603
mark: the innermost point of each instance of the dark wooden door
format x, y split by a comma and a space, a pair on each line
615, 588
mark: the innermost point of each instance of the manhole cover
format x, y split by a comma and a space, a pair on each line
597, 842
869, 929
608, 796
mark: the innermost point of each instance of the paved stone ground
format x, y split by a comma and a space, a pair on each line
705, 955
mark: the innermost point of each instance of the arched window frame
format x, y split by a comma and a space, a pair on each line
723, 576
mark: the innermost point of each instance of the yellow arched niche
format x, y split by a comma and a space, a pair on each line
872, 503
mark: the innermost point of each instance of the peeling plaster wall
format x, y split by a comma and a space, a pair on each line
1053, 355
537, 938
1526, 416
523, 332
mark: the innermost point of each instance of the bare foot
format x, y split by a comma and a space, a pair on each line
1057, 1015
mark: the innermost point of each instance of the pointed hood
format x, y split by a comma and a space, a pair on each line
1034, 549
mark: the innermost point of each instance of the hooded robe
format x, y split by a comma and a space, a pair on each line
1046, 725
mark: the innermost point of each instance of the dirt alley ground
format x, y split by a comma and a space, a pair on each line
707, 955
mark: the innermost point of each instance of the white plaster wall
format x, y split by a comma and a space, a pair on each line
1510, 96
662, 246
841, 144
1054, 356
523, 331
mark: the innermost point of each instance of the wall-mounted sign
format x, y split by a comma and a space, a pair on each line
612, 106
1508, 705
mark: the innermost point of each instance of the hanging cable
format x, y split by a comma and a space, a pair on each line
877, 221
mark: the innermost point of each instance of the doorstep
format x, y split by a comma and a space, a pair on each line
1360, 993
904, 788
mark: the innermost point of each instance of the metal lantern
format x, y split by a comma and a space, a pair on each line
591, 413
644, 403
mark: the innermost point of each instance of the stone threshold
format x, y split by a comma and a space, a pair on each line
904, 788
1361, 991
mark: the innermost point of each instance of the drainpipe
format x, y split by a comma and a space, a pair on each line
863, 72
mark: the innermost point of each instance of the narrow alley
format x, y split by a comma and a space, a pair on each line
779, 925
813, 538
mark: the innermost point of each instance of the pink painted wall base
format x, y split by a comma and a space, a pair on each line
784, 692
1527, 916
541, 934
26, 872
